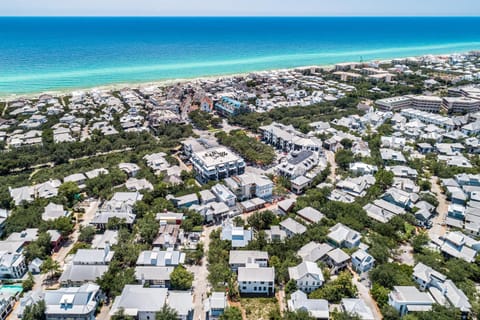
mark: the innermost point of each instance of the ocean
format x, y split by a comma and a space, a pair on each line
39, 54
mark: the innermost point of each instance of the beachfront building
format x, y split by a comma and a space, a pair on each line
217, 163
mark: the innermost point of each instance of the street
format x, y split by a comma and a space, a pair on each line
333, 166
364, 294
200, 282
439, 228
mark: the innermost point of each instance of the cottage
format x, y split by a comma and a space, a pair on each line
362, 261
343, 236
144, 303
292, 227
409, 299
307, 276
310, 215
316, 308
357, 307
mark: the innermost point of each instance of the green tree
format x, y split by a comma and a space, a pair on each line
380, 294
337, 289
40, 248
419, 241
298, 315
64, 225
181, 278
343, 158
261, 220
69, 191
291, 286
389, 275
346, 143
50, 267
389, 313
28, 283
231, 313
238, 221
439, 312
345, 316
167, 313
120, 315
148, 228
114, 280
87, 234
35, 311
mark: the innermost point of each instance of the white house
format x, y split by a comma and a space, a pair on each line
307, 275
256, 280
317, 308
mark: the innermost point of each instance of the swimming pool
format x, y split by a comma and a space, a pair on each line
11, 288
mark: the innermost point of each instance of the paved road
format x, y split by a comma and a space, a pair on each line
200, 282
439, 228
333, 165
364, 294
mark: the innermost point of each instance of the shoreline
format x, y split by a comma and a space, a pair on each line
169, 82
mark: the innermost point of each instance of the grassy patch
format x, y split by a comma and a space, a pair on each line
258, 308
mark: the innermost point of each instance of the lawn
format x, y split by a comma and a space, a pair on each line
259, 308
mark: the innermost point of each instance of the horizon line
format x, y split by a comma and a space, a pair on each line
240, 16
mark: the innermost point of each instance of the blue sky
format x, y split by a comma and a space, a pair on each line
240, 7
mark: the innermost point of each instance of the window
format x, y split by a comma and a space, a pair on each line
254, 288
244, 288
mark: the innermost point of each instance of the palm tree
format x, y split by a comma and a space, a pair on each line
50, 267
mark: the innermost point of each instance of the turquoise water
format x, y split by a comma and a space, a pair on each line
44, 54
11, 288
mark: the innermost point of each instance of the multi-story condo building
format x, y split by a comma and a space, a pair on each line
426, 117
217, 163
394, 103
460, 105
423, 103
